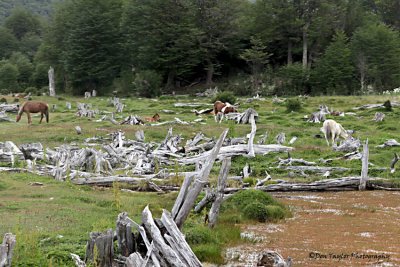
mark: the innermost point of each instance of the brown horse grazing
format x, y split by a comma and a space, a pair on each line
34, 107
155, 118
223, 108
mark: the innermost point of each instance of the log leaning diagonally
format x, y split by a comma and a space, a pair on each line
200, 180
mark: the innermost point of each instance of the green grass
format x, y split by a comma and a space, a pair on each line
39, 214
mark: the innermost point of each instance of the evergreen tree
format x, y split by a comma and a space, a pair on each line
334, 71
8, 43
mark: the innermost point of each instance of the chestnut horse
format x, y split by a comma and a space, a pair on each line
155, 118
223, 108
34, 107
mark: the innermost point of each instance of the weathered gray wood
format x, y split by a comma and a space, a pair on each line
252, 135
9, 107
101, 246
280, 138
199, 182
168, 253
364, 167
219, 196
208, 198
389, 142
182, 195
379, 116
273, 258
393, 163
235, 150
348, 145
176, 239
125, 237
139, 135
135, 260
317, 169
52, 85
77, 260
78, 129
341, 184
7, 249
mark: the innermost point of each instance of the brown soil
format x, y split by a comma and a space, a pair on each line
331, 229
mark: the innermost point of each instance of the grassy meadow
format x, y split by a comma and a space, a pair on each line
55, 219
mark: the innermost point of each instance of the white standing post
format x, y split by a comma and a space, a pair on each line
52, 86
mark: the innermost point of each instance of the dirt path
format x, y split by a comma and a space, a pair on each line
331, 229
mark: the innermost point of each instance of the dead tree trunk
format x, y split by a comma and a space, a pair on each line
125, 237
201, 180
364, 168
7, 249
52, 86
223, 174
100, 248
251, 137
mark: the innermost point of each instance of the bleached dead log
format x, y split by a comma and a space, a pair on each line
316, 117
277, 100
199, 182
348, 145
252, 135
10, 153
191, 105
379, 116
389, 142
230, 151
77, 260
125, 237
108, 180
290, 161
280, 138
132, 120
203, 111
103, 244
88, 94
4, 117
78, 129
262, 138
68, 105
52, 85
246, 171
139, 135
94, 93
178, 242
393, 163
208, 198
219, 194
119, 107
168, 253
182, 194
294, 138
84, 110
7, 249
135, 260
364, 167
245, 117
263, 181
342, 184
13, 108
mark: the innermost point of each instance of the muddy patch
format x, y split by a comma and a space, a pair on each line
329, 229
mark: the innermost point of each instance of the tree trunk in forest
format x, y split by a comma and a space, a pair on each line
305, 46
52, 87
170, 80
210, 72
289, 53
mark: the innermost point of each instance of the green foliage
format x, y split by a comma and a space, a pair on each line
256, 211
293, 80
8, 42
243, 198
3, 100
21, 22
224, 97
147, 83
8, 75
275, 212
293, 104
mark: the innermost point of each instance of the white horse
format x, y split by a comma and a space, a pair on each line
333, 130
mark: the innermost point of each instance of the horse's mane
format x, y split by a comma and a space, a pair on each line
21, 108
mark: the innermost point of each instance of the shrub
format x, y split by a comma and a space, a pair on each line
199, 235
209, 253
225, 97
4, 91
3, 100
243, 198
275, 213
16, 100
32, 90
147, 83
256, 211
387, 105
293, 104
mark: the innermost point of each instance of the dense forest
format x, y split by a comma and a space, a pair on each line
150, 47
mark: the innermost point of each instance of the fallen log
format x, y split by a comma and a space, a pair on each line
379, 116
389, 143
342, 184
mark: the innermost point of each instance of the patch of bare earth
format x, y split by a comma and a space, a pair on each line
329, 229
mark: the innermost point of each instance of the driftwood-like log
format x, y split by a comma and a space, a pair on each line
364, 167
135, 260
103, 244
168, 253
77, 260
316, 169
9, 107
341, 184
208, 198
4, 117
7, 249
200, 181
125, 237
78, 129
280, 138
182, 194
252, 135
348, 145
393, 163
379, 116
389, 143
177, 241
219, 196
